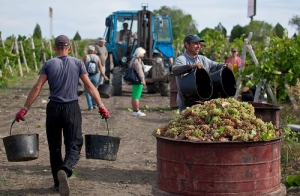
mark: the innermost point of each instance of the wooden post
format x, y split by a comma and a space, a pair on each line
23, 56
72, 48
43, 60
33, 53
257, 92
2, 42
75, 49
294, 103
19, 62
6, 58
50, 48
12, 47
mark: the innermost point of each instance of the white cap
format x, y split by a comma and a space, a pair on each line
101, 39
91, 48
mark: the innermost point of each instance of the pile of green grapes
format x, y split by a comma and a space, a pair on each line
219, 120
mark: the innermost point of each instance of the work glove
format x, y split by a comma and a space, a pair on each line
104, 112
230, 66
20, 115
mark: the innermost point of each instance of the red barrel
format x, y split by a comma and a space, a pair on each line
218, 168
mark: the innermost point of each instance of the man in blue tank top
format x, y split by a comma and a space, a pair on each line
63, 111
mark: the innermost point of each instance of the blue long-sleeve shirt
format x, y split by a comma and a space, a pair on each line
181, 68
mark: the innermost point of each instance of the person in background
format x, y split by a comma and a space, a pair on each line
102, 53
190, 61
234, 60
248, 91
213, 56
202, 46
124, 33
94, 78
63, 115
137, 89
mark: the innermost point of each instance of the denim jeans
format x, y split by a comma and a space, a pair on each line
95, 80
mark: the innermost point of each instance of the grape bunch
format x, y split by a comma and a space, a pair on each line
222, 119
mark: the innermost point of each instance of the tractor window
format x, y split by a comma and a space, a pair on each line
126, 29
163, 29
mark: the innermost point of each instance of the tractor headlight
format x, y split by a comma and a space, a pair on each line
158, 60
124, 59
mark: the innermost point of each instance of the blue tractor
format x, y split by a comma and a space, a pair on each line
153, 33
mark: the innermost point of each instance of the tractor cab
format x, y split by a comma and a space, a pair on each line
128, 30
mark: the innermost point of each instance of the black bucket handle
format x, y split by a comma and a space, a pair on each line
106, 120
13, 122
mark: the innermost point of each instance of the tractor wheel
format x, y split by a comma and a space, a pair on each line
117, 80
164, 89
151, 89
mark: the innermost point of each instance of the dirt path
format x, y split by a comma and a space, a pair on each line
134, 171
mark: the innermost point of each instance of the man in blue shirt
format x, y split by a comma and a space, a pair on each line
190, 61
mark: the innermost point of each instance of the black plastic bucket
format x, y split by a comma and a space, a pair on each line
103, 147
196, 85
21, 147
105, 90
224, 83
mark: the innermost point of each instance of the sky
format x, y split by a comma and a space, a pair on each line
88, 17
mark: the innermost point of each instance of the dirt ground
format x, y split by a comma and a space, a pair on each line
132, 173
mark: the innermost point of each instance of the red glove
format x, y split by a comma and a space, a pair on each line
20, 115
104, 112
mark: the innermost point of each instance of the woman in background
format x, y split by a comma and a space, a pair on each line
137, 89
95, 76
234, 60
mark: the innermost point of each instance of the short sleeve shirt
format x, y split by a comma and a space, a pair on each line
63, 77
101, 51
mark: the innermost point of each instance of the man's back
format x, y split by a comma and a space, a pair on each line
63, 75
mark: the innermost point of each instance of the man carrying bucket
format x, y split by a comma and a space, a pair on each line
63, 111
190, 61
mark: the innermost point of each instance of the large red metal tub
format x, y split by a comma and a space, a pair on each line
218, 168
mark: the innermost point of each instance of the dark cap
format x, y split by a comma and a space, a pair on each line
233, 50
62, 40
193, 38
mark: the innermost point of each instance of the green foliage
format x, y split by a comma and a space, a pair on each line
278, 30
236, 32
77, 37
37, 32
290, 135
214, 41
221, 29
292, 180
9, 53
182, 23
260, 30
295, 22
279, 62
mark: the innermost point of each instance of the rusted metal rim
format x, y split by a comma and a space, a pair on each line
214, 142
